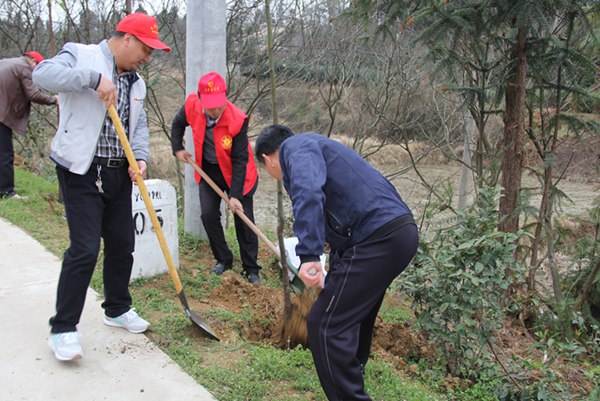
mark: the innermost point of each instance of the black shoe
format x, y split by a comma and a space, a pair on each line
11, 194
219, 268
253, 278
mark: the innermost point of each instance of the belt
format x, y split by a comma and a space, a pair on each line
110, 162
390, 226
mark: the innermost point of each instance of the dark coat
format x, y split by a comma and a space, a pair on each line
337, 196
17, 91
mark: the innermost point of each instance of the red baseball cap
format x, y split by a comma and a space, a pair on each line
35, 55
212, 90
143, 27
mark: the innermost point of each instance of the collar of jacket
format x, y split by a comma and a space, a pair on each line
106, 50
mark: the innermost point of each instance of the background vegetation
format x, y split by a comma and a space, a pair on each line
502, 91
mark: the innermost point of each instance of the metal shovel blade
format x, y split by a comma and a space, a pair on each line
197, 320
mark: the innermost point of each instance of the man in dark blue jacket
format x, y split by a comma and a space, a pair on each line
339, 198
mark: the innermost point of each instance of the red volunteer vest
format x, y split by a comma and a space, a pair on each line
227, 128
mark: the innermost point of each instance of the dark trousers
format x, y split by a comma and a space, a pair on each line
340, 323
92, 215
7, 159
210, 203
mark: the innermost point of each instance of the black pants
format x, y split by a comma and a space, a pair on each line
92, 215
210, 203
341, 321
7, 159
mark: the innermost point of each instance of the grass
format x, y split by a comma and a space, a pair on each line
232, 370
40, 214
395, 310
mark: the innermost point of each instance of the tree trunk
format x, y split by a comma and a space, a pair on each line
587, 288
542, 219
51, 29
548, 158
466, 176
287, 304
559, 298
514, 129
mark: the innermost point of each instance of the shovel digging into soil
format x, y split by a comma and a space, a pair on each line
293, 262
295, 331
196, 320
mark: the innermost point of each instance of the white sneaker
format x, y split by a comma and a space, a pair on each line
65, 346
128, 320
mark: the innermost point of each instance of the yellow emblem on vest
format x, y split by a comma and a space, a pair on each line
226, 142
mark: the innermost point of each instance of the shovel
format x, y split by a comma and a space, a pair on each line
290, 243
196, 320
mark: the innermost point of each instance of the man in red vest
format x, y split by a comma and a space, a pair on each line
220, 132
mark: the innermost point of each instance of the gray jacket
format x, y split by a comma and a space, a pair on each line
75, 72
17, 92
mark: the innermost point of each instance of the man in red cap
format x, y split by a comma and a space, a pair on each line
93, 173
220, 132
34, 55
17, 91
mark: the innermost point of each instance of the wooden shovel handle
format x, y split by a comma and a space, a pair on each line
240, 213
112, 112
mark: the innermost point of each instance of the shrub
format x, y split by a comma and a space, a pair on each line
459, 286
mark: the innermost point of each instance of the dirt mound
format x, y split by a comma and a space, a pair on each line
257, 308
399, 342
259, 318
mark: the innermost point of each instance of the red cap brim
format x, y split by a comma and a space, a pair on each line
213, 100
154, 43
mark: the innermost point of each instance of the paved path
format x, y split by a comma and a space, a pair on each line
117, 365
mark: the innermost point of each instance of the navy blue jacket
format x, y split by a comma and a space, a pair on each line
336, 195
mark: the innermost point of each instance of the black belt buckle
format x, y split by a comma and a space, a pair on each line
115, 163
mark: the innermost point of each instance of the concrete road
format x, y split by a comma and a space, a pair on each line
117, 365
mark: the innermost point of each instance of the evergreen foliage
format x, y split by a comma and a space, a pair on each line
459, 285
